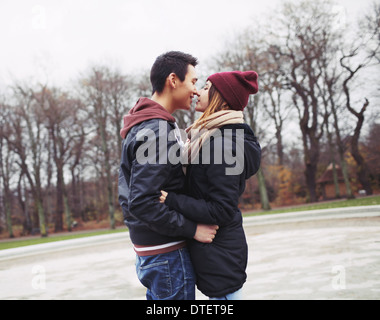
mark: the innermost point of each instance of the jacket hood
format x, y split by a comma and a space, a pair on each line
145, 109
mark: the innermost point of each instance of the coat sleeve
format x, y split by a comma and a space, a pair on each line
222, 189
146, 182
221, 206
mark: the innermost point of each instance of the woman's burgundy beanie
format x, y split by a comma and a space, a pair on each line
235, 87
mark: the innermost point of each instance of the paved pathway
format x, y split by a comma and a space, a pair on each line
333, 254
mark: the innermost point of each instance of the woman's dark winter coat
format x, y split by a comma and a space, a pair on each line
212, 197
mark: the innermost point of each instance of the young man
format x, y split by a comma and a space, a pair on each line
159, 234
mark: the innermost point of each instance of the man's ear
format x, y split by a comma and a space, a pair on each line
173, 80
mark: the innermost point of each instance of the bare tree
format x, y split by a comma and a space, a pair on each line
61, 120
331, 95
76, 160
362, 170
6, 169
363, 53
309, 40
96, 87
274, 88
26, 137
118, 95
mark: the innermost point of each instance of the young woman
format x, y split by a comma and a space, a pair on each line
223, 152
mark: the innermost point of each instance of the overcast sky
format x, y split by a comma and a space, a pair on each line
59, 39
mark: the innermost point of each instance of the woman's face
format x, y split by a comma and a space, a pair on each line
203, 102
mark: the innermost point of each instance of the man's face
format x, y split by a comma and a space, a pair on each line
185, 91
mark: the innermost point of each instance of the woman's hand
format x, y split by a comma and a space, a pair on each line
164, 194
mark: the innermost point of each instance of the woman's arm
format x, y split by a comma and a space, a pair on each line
220, 207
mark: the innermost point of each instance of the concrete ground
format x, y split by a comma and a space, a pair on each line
330, 254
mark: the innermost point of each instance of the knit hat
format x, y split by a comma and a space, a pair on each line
235, 87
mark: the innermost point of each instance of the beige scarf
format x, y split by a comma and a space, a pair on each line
200, 132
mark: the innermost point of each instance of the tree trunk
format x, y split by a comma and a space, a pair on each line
110, 193
41, 217
23, 200
311, 158
343, 163
263, 191
310, 173
280, 147
67, 211
59, 206
362, 171
4, 171
8, 214
332, 159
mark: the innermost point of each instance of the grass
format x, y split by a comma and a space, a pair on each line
367, 201
38, 240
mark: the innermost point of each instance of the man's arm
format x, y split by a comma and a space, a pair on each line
146, 181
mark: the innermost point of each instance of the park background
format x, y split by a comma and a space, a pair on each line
69, 72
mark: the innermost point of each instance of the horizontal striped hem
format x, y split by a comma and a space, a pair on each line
144, 251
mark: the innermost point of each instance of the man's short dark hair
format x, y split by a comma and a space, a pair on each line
171, 62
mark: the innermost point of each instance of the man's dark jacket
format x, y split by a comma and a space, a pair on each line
140, 184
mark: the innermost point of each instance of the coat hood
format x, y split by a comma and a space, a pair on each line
145, 109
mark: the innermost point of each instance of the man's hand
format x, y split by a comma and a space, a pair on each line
205, 233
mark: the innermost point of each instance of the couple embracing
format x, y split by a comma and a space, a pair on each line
183, 217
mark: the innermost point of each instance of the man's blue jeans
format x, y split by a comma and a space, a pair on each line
168, 276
